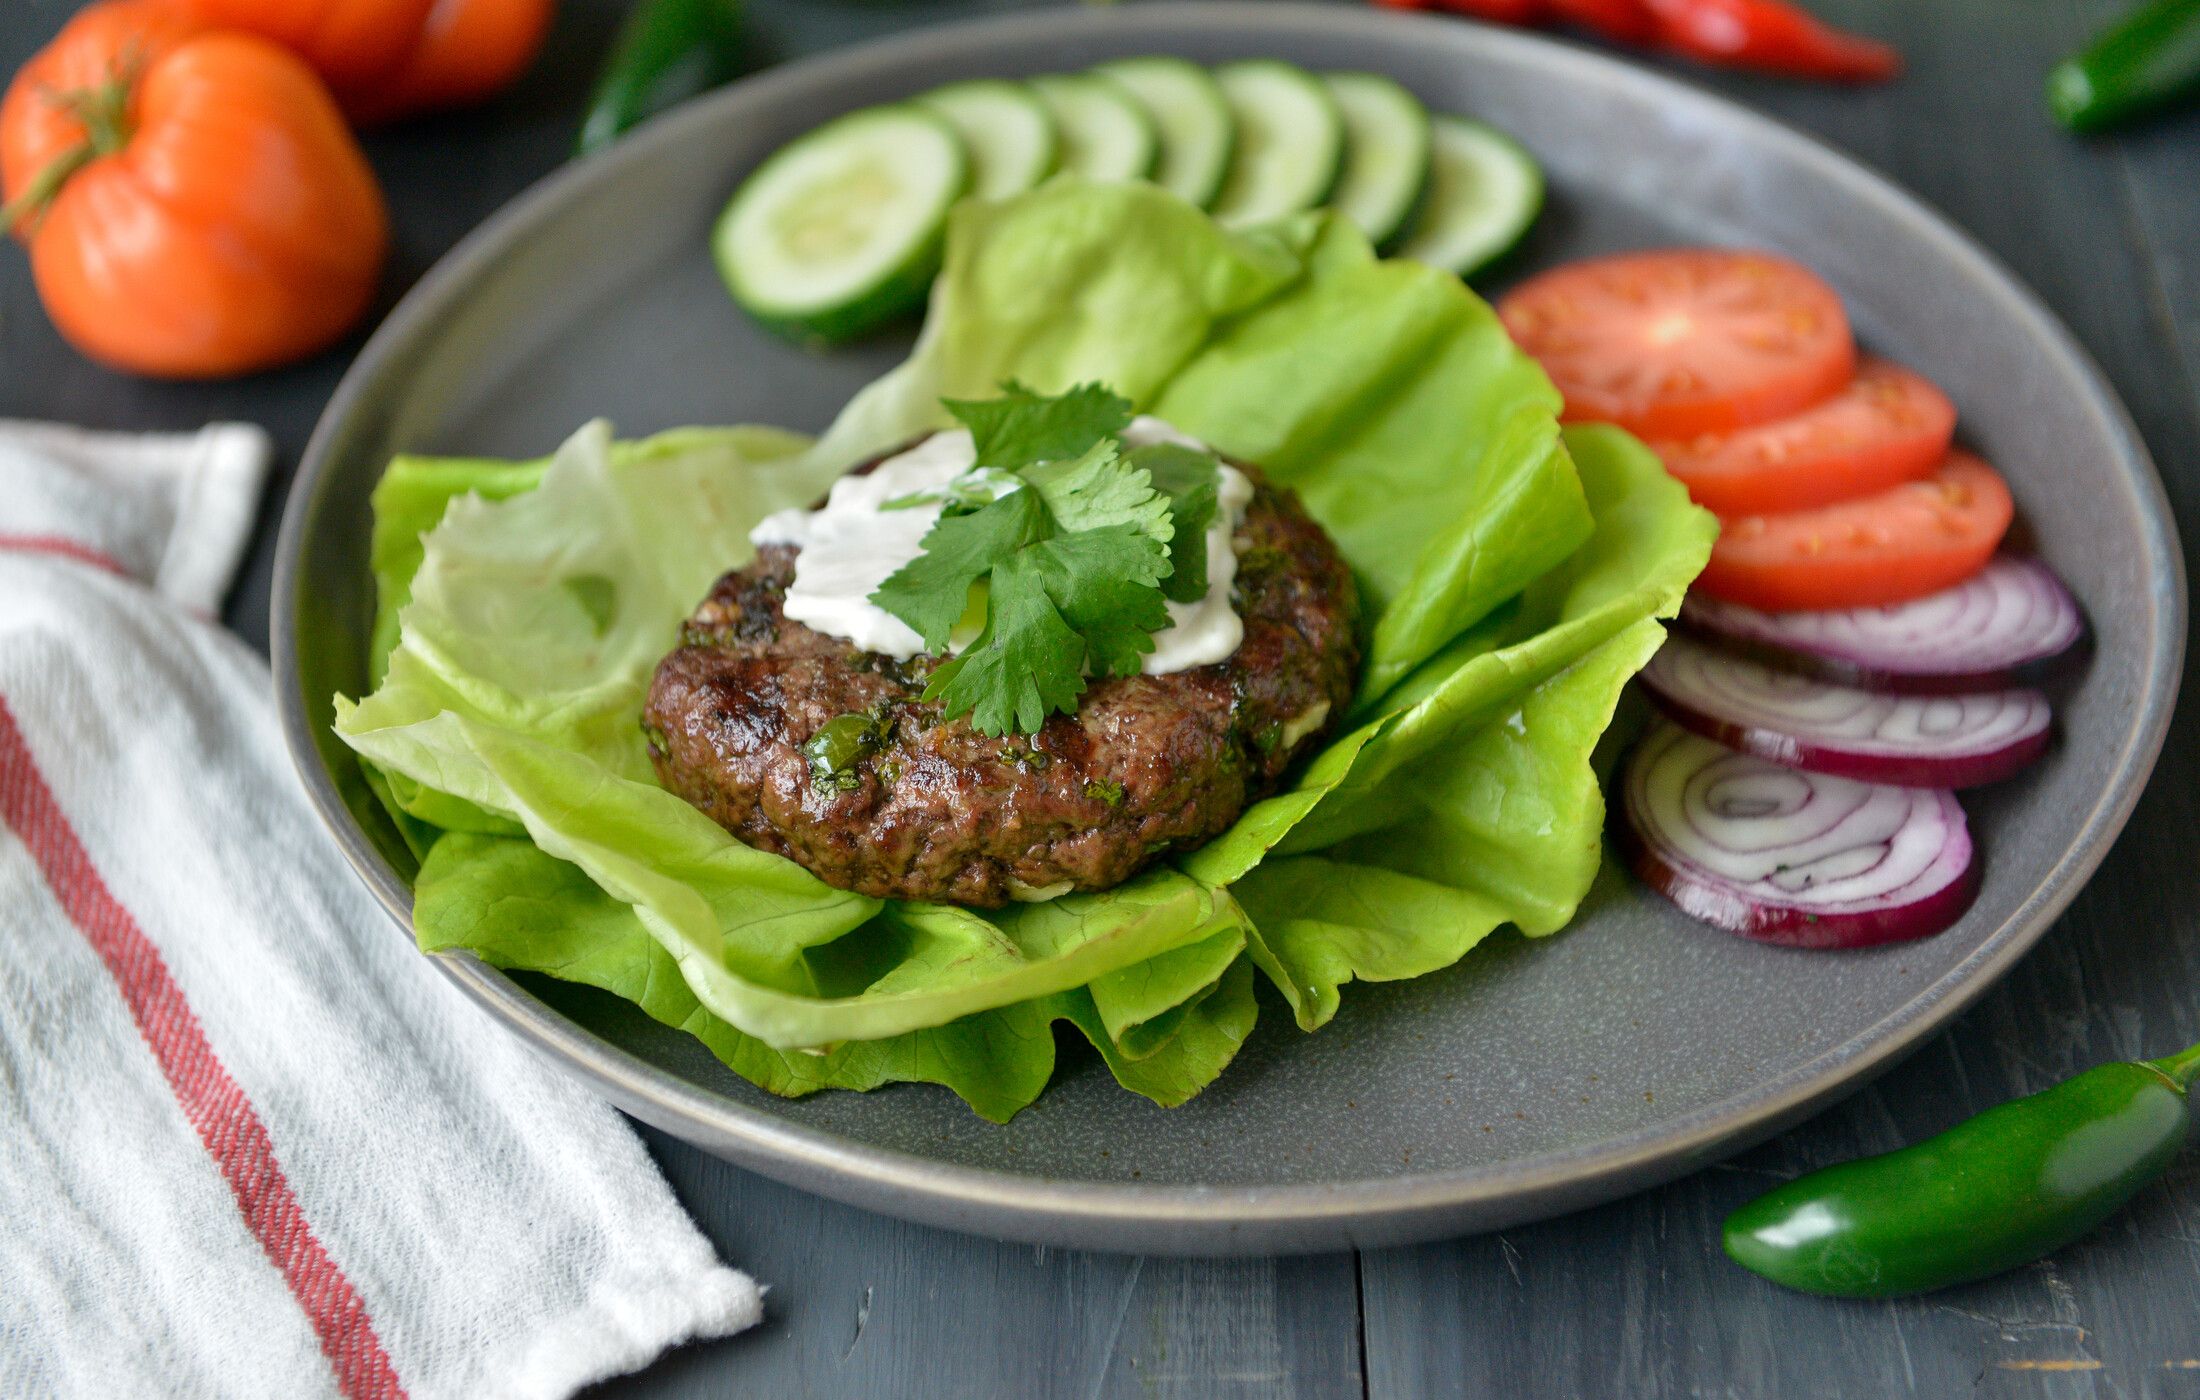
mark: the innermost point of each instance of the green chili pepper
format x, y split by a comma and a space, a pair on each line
839, 745
2013, 1184
2145, 62
666, 52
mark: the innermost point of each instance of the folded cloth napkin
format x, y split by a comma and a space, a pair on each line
251, 1144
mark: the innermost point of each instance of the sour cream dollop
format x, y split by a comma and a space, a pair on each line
850, 545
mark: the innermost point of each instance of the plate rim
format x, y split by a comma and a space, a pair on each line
1269, 1218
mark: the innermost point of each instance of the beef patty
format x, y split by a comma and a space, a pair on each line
933, 810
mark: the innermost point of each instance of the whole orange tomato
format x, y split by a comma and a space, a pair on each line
392, 58
193, 203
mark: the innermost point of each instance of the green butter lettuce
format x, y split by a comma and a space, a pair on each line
503, 900
1513, 579
1474, 803
414, 491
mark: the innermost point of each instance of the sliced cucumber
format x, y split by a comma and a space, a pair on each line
1290, 142
840, 230
1106, 134
1386, 162
1483, 194
1010, 133
1197, 131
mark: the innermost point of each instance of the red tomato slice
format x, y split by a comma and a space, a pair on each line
1694, 340
1889, 426
1905, 542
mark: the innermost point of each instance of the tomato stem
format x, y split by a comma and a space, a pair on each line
2182, 1067
104, 113
104, 109
44, 186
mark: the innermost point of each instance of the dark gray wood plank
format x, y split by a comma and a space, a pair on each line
1635, 1298
2160, 168
865, 1306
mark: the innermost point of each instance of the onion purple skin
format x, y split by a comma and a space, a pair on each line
1927, 676
1970, 770
1824, 668
1686, 776
1789, 927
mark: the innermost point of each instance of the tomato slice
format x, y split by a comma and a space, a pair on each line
1692, 340
1905, 542
1887, 427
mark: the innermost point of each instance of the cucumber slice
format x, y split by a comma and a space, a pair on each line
1010, 133
1483, 194
1290, 142
840, 230
1197, 131
1386, 163
1106, 135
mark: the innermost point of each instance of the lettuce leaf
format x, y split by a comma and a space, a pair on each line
414, 492
1472, 802
1510, 596
505, 901
1388, 396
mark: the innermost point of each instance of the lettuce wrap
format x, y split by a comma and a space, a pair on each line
1513, 578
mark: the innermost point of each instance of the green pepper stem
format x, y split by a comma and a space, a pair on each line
2182, 1067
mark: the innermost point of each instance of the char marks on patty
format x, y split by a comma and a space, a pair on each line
934, 810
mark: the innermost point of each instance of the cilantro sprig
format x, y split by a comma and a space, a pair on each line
1078, 562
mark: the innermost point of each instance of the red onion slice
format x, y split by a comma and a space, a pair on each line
2009, 619
1949, 741
1781, 856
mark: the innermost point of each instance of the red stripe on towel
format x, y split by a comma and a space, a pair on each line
64, 548
213, 1102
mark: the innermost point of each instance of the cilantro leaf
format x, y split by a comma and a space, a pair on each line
1103, 582
1076, 561
1099, 488
931, 591
1022, 427
971, 491
1026, 664
1190, 480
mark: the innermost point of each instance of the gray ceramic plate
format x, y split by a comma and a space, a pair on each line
1532, 1079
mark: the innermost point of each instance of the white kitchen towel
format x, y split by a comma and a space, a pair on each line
251, 1143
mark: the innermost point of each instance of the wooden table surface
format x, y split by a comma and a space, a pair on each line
1632, 1299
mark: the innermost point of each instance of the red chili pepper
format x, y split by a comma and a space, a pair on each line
1771, 36
1621, 21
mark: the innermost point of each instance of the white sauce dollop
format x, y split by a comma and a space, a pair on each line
849, 546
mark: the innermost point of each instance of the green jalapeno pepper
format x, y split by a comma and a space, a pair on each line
666, 52
2004, 1188
2145, 62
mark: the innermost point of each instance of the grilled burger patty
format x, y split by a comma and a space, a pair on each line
917, 808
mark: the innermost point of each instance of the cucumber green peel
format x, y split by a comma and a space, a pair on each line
1106, 134
1388, 166
1256, 141
1484, 194
1011, 136
1198, 134
1291, 142
841, 230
